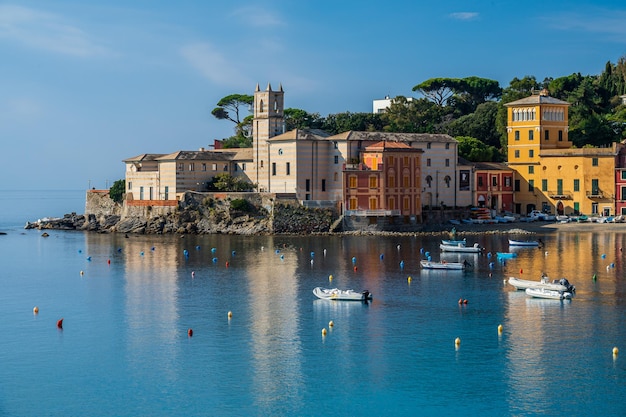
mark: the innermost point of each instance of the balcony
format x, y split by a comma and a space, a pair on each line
560, 195
372, 213
595, 193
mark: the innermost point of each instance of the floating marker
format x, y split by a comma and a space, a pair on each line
227, 264
190, 332
214, 260
427, 254
603, 256
355, 269
430, 258
119, 250
409, 279
398, 247
282, 257
324, 331
488, 254
491, 265
153, 249
80, 251
421, 250
82, 272
499, 328
457, 341
615, 351
60, 324
89, 258
330, 277
594, 277
521, 271
277, 251
197, 247
381, 256
312, 254
401, 264
193, 274
233, 253
109, 261
230, 315
354, 259
324, 252
331, 323
460, 301
36, 310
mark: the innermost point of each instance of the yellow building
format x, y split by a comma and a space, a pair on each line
551, 175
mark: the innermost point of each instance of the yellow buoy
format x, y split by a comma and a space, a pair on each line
457, 341
324, 331
331, 323
230, 314
330, 277
499, 328
615, 351
409, 279
36, 311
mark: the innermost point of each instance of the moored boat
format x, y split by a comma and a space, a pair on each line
444, 265
461, 248
562, 284
341, 295
506, 255
548, 294
454, 242
524, 242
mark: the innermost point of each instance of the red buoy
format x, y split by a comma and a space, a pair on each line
521, 271
190, 332
109, 261
464, 301
60, 324
355, 269
227, 264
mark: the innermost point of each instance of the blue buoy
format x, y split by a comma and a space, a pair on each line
427, 254
421, 250
141, 253
603, 256
80, 251
282, 257
277, 250
430, 258
89, 258
233, 253
197, 247
152, 248
354, 259
612, 265
213, 250
488, 254
312, 254
401, 264
381, 256
119, 250
490, 264
214, 260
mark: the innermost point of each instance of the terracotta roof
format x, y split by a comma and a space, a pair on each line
537, 99
144, 157
394, 136
301, 134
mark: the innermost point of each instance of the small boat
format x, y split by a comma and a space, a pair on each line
524, 242
461, 248
506, 255
549, 294
443, 265
454, 242
562, 285
341, 295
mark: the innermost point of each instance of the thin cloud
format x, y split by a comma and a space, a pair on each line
600, 21
45, 31
464, 15
256, 16
213, 65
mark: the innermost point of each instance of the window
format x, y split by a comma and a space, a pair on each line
447, 162
273, 168
447, 179
507, 182
181, 166
560, 136
447, 146
480, 181
288, 168
373, 203
531, 169
517, 153
391, 181
352, 181
308, 185
544, 185
428, 162
373, 182
353, 203
236, 165
391, 203
324, 185
517, 135
595, 190
547, 134
406, 181
406, 161
577, 185
594, 208
214, 167
494, 181
141, 193
594, 162
243, 166
130, 185
531, 153
225, 167
429, 181
531, 135
559, 186
576, 208
191, 167
336, 159
390, 160
428, 145
204, 167
623, 174
335, 145
531, 185
167, 192
622, 195
406, 204
517, 185
280, 151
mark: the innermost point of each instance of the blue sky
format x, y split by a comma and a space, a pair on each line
86, 84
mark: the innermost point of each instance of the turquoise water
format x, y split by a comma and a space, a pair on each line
124, 349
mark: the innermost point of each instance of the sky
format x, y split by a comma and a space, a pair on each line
87, 84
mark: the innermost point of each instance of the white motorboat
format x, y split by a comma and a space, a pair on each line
524, 242
549, 294
461, 248
444, 265
562, 285
454, 242
341, 295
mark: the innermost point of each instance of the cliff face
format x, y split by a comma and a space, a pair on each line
238, 213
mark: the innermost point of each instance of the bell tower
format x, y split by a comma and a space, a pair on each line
269, 121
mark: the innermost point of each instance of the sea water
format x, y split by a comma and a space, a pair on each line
128, 303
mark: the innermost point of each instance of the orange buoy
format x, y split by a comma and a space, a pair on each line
36, 310
464, 301
190, 332
60, 324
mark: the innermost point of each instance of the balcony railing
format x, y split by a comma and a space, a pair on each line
560, 195
596, 193
372, 213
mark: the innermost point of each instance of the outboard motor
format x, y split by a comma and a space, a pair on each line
366, 295
566, 284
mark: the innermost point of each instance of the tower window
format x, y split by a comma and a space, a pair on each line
517, 135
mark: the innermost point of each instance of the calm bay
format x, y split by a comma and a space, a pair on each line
128, 303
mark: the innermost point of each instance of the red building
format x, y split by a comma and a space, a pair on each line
386, 182
494, 186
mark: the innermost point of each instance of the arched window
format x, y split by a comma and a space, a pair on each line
429, 181
447, 179
261, 106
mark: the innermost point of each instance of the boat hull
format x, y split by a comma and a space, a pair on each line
442, 265
523, 243
460, 248
341, 295
523, 284
548, 294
